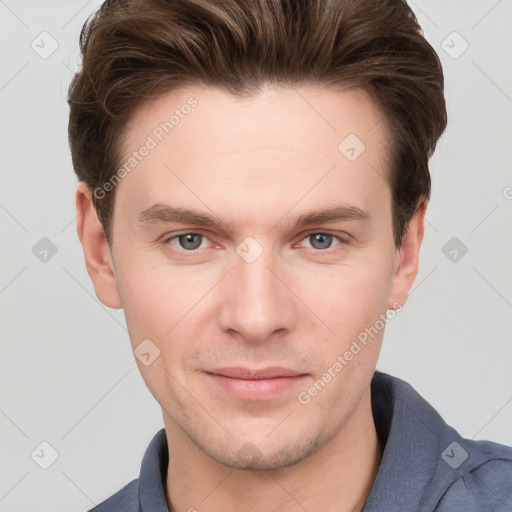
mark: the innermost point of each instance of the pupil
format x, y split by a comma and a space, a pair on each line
187, 241
323, 239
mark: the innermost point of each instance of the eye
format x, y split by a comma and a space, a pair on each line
322, 241
187, 241
191, 242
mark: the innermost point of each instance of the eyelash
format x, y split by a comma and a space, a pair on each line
195, 252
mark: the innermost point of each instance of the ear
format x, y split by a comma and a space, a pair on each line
407, 259
98, 257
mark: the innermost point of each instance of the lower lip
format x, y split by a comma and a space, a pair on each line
263, 389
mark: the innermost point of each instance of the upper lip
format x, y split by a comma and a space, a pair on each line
272, 372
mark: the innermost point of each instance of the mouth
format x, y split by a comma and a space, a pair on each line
255, 384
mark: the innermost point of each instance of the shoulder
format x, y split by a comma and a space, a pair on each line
124, 500
486, 485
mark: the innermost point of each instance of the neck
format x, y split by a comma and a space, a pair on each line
337, 477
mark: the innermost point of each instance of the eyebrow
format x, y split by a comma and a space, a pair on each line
161, 213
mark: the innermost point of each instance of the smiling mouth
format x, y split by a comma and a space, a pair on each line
255, 384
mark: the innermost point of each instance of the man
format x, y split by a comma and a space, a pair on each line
254, 180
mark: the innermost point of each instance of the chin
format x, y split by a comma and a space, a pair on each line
251, 457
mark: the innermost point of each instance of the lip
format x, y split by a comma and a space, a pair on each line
255, 384
239, 372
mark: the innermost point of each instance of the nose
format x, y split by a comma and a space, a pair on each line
258, 302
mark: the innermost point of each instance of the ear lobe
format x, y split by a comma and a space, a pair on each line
407, 259
98, 257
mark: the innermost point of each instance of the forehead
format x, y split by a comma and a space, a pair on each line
206, 144
293, 114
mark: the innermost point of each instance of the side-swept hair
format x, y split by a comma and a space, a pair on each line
134, 50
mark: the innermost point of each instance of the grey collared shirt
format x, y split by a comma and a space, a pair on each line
426, 465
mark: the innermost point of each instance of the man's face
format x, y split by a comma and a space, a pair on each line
267, 292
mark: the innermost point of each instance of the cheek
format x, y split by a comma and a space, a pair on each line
153, 299
165, 303
347, 298
159, 307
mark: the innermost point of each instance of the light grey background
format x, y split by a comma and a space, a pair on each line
68, 374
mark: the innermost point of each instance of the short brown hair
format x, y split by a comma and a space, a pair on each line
134, 50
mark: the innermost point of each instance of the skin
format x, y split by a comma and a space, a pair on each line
258, 163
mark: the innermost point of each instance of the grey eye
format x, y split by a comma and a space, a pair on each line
320, 240
190, 241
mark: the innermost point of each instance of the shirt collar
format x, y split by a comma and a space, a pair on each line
412, 474
153, 475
